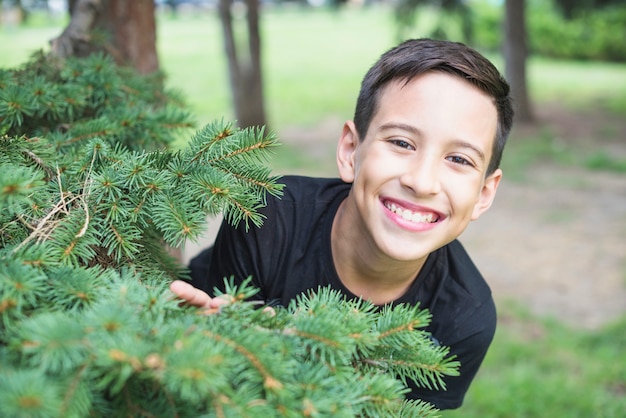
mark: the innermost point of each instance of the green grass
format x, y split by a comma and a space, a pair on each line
540, 368
313, 64
579, 85
601, 160
522, 151
17, 44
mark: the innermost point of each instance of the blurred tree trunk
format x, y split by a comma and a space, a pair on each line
244, 65
124, 29
515, 54
22, 10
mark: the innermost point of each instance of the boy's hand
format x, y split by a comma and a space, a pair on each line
196, 297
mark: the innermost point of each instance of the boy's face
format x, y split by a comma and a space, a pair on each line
419, 176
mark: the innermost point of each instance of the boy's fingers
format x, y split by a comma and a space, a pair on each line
216, 303
221, 300
190, 294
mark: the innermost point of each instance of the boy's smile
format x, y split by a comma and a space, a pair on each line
419, 175
411, 216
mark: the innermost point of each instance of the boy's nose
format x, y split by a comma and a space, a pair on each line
423, 178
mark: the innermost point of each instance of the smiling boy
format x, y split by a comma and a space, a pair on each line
417, 164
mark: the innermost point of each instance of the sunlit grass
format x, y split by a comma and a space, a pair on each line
579, 85
17, 44
312, 61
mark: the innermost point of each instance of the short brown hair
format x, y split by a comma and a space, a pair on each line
418, 56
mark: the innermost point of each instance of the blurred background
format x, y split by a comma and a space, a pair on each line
553, 246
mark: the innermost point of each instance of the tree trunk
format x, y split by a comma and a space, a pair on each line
244, 68
515, 54
130, 27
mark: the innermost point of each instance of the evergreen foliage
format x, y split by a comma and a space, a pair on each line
90, 198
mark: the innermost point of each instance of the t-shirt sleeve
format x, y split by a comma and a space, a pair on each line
470, 351
235, 255
265, 253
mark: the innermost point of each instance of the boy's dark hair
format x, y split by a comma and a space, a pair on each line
418, 56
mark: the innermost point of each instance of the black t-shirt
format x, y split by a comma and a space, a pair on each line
291, 253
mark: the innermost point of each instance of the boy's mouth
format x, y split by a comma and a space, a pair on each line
408, 215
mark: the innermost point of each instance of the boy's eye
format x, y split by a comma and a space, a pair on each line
459, 160
401, 143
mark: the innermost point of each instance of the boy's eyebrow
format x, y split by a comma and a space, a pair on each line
457, 143
464, 144
398, 125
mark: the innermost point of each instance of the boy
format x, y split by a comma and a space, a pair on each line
417, 164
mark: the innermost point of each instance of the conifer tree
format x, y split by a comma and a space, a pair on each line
90, 196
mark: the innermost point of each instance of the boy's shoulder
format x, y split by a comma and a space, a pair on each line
303, 188
306, 203
462, 270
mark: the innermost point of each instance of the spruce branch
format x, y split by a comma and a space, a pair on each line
115, 346
39, 161
18, 184
132, 191
203, 142
90, 196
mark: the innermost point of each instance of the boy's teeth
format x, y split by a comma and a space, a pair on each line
410, 216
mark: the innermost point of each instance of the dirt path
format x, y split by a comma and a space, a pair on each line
557, 244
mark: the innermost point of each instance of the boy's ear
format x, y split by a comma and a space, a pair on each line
487, 194
346, 152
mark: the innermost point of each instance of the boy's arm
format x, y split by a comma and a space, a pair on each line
234, 256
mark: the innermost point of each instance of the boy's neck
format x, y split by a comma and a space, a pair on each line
364, 270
